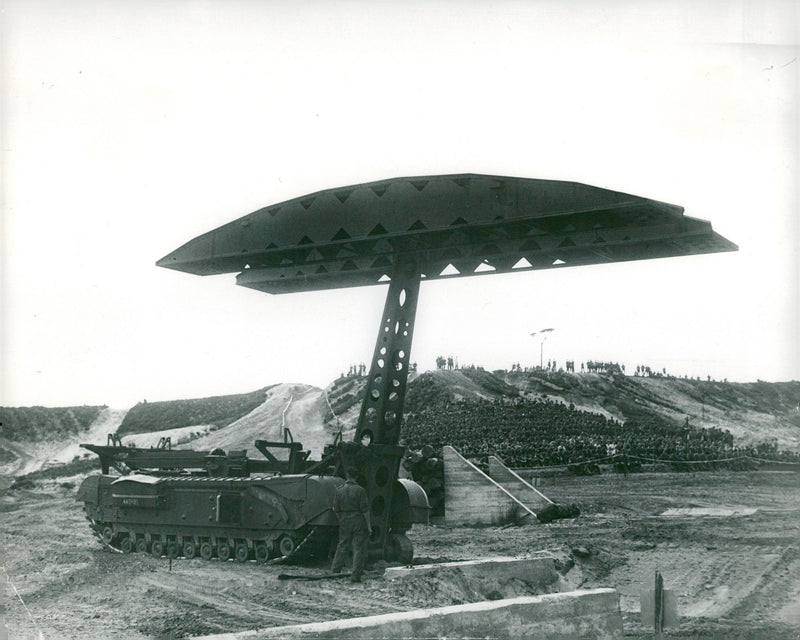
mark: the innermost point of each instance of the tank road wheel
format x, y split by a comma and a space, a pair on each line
157, 548
399, 548
107, 535
189, 549
224, 552
262, 552
206, 551
241, 552
286, 545
141, 545
126, 545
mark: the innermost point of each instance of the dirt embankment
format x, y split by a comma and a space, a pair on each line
28, 455
734, 575
753, 412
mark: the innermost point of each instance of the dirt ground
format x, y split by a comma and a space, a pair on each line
736, 576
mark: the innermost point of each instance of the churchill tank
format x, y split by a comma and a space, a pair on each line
171, 510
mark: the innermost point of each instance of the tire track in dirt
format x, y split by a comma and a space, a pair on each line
776, 596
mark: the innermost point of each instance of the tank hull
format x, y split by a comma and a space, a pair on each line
242, 518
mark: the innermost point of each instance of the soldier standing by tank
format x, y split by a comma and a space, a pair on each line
352, 510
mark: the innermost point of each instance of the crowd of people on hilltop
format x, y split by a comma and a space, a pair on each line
606, 367
590, 366
449, 363
542, 432
360, 369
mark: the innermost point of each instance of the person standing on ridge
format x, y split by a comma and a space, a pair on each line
352, 510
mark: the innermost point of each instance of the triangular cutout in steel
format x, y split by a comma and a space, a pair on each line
381, 261
349, 265
530, 245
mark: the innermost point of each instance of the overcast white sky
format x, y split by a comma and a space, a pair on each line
130, 128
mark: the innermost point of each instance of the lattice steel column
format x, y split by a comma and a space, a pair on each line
382, 409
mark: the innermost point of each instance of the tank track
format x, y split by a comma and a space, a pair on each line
309, 545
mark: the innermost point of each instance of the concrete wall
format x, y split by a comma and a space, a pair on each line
473, 498
521, 489
576, 614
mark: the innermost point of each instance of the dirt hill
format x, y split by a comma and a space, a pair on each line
752, 412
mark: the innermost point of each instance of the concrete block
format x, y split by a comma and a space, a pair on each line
517, 486
473, 498
576, 614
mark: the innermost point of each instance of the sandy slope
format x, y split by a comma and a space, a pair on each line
298, 407
32, 456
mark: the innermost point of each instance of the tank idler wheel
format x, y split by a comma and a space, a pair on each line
224, 551
141, 545
157, 548
189, 549
107, 535
286, 545
399, 549
262, 552
126, 545
241, 552
206, 551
